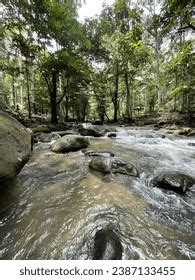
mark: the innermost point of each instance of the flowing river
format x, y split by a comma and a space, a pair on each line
57, 204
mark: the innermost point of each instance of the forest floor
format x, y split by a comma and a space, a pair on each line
156, 119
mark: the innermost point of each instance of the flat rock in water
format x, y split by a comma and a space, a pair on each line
45, 137
173, 181
67, 132
41, 128
15, 147
70, 143
92, 153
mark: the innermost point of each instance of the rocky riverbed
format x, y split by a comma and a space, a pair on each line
63, 202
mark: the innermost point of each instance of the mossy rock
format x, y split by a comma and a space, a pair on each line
15, 147
41, 128
70, 143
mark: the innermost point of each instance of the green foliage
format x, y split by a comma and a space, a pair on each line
177, 14
132, 58
180, 90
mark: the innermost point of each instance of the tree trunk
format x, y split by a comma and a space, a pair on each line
128, 99
102, 117
21, 99
157, 66
175, 97
28, 90
115, 99
67, 108
84, 112
53, 99
13, 92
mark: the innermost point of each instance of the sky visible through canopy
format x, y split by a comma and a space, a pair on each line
92, 7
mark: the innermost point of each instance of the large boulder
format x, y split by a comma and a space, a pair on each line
173, 181
108, 165
107, 245
70, 143
15, 147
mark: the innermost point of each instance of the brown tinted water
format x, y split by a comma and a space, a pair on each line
57, 205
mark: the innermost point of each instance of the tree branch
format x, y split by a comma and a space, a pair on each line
47, 82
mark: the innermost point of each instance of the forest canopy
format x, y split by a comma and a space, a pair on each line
135, 58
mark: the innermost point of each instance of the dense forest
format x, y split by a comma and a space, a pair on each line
134, 59
97, 133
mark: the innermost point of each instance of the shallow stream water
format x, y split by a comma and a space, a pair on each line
57, 205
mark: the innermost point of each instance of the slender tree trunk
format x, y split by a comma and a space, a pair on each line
115, 99
128, 98
84, 112
159, 99
28, 90
21, 98
14, 92
175, 97
188, 102
102, 109
102, 117
53, 99
184, 102
67, 108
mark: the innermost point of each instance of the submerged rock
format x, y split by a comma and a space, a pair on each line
46, 137
92, 153
15, 147
67, 132
191, 144
111, 135
107, 245
108, 165
70, 143
173, 181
